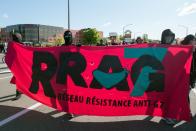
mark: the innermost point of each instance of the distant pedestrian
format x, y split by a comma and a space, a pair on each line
100, 43
1, 48
124, 43
4, 48
139, 40
114, 43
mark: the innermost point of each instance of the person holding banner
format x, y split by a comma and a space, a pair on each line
168, 38
68, 41
139, 40
68, 38
16, 37
191, 40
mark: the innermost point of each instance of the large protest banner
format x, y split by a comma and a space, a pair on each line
144, 79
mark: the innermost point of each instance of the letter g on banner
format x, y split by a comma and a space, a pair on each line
144, 72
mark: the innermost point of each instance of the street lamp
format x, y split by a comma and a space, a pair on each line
186, 28
124, 28
68, 16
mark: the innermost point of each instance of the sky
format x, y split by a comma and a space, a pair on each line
141, 16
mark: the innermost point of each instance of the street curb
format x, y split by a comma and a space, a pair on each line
4, 70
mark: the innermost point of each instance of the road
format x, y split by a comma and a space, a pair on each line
26, 114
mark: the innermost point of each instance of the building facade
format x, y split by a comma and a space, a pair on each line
113, 37
33, 32
36, 33
0, 35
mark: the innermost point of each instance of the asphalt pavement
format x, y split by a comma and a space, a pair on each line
26, 114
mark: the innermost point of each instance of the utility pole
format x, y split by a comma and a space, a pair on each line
68, 16
124, 28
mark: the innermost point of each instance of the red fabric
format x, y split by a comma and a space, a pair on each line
175, 96
13, 80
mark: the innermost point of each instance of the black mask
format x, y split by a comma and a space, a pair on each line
68, 37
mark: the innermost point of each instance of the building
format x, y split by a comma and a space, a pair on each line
127, 36
36, 33
113, 37
33, 32
0, 35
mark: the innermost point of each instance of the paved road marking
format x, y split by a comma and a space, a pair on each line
1, 68
5, 71
5, 77
19, 114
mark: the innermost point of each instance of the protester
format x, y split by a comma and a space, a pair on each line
68, 38
139, 40
68, 41
114, 43
1, 48
101, 43
124, 43
16, 37
191, 40
4, 48
168, 38
146, 41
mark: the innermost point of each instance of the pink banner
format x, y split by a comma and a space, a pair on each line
145, 79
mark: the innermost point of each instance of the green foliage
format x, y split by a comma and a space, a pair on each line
90, 36
59, 41
121, 38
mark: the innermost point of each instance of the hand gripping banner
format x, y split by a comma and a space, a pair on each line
145, 79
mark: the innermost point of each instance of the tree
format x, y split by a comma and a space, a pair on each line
90, 36
121, 38
58, 41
